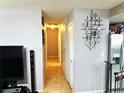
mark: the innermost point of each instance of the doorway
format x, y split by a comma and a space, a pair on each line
55, 81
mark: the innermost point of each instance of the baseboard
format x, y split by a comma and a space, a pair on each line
100, 91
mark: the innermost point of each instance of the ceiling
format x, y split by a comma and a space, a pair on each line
56, 10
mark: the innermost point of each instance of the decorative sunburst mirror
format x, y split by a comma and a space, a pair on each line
92, 27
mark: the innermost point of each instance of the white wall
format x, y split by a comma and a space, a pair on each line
89, 66
23, 27
60, 42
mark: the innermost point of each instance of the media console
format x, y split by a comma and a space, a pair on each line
21, 89
12, 90
12, 63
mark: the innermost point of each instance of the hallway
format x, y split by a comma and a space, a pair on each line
55, 81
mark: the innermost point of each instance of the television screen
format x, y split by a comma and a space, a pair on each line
11, 63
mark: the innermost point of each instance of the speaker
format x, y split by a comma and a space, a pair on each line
32, 65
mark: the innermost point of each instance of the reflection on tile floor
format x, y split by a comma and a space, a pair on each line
55, 81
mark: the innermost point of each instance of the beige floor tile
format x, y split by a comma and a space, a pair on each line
55, 81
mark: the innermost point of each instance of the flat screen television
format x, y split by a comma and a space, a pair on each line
11, 63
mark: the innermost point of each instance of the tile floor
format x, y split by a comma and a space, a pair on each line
55, 81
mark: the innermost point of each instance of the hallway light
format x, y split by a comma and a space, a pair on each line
52, 26
92, 30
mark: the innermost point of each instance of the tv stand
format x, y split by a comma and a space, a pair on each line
11, 90
20, 89
11, 87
